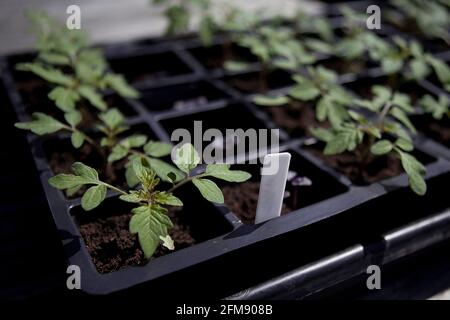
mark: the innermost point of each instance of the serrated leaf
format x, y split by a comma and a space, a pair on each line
223, 172
47, 73
65, 98
322, 134
112, 118
163, 169
150, 224
381, 147
209, 190
157, 149
169, 199
85, 171
403, 118
94, 98
54, 58
41, 124
93, 197
304, 92
118, 152
66, 181
132, 197
186, 158
118, 83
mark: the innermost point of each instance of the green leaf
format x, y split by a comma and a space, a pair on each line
112, 118
118, 152
269, 101
322, 134
391, 65
304, 92
169, 199
223, 172
403, 118
130, 176
73, 118
419, 69
85, 171
209, 190
66, 181
93, 197
118, 83
163, 169
405, 145
167, 242
134, 141
41, 124
54, 58
381, 147
90, 94
77, 139
47, 73
186, 158
236, 66
150, 223
417, 183
157, 149
65, 98
132, 197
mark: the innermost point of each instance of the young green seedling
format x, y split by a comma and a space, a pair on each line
438, 108
358, 41
431, 18
150, 216
275, 47
73, 70
389, 132
319, 85
179, 14
418, 63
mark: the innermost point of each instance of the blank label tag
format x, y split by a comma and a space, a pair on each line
273, 183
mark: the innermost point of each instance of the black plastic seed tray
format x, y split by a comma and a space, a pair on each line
178, 89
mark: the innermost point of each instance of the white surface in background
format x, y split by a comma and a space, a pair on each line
111, 20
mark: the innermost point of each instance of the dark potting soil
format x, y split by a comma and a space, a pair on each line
296, 118
242, 200
112, 247
34, 92
342, 66
214, 57
61, 161
377, 169
257, 82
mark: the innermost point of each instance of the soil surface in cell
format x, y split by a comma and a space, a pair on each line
242, 200
62, 161
297, 118
376, 169
112, 247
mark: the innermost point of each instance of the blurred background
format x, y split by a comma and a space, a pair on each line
114, 20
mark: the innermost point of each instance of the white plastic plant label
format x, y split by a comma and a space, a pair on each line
273, 183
